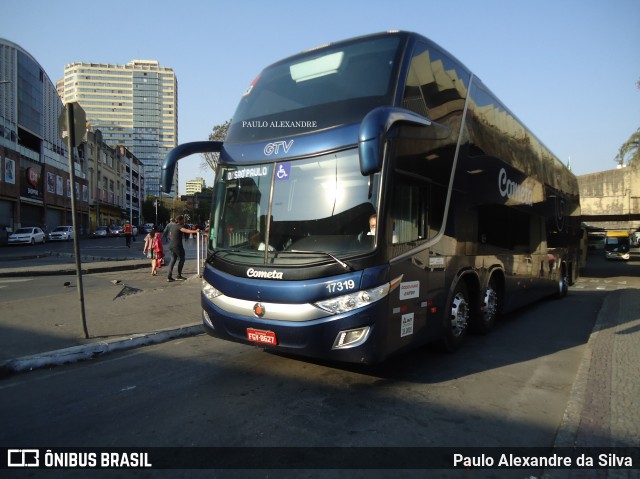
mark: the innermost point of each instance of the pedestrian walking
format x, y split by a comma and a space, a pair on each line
154, 250
128, 231
167, 230
177, 230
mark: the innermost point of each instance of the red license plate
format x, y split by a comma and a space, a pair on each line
260, 336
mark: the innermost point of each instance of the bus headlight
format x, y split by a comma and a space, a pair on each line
209, 291
349, 302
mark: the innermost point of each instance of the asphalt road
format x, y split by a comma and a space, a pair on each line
58, 252
507, 389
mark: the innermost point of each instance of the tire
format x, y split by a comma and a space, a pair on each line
489, 309
457, 319
563, 284
33, 242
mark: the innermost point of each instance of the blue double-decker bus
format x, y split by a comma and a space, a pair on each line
372, 196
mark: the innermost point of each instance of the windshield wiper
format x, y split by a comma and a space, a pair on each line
333, 257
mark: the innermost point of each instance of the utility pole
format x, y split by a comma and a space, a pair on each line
71, 125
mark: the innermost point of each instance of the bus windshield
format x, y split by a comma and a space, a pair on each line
320, 209
316, 90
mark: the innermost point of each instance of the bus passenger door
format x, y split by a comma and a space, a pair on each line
414, 303
414, 216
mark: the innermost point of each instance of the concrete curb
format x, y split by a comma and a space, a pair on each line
93, 350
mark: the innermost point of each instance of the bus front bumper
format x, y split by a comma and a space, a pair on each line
348, 337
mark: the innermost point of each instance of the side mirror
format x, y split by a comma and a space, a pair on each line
373, 131
180, 151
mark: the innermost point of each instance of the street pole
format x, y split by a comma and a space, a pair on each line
76, 240
131, 190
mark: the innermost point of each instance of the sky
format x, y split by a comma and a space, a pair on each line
568, 69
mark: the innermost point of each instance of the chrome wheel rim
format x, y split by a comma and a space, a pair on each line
459, 315
490, 304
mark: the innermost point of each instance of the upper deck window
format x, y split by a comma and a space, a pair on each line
319, 89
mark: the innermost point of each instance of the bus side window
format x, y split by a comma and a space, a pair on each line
417, 210
409, 214
435, 84
505, 227
412, 216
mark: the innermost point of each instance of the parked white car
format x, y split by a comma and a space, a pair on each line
61, 233
29, 235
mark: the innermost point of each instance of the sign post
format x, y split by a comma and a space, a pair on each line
72, 125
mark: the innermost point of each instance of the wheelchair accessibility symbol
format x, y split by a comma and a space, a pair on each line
283, 171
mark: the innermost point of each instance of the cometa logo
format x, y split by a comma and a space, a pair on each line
252, 273
514, 191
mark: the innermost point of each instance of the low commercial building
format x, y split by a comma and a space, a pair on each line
116, 182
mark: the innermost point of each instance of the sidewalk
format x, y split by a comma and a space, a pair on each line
604, 405
125, 310
603, 408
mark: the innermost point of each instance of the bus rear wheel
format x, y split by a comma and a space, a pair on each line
489, 308
457, 321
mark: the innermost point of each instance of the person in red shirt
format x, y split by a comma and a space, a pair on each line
128, 231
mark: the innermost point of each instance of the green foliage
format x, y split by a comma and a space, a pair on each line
629, 152
149, 210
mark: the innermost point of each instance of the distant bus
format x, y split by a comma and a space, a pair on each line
616, 245
596, 240
473, 215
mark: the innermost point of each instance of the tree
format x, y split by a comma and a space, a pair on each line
218, 133
202, 211
179, 207
630, 150
149, 210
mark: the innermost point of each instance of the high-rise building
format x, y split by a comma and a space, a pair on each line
133, 105
195, 186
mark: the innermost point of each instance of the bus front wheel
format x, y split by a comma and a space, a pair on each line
457, 321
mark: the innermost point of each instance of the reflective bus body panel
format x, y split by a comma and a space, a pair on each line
474, 202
